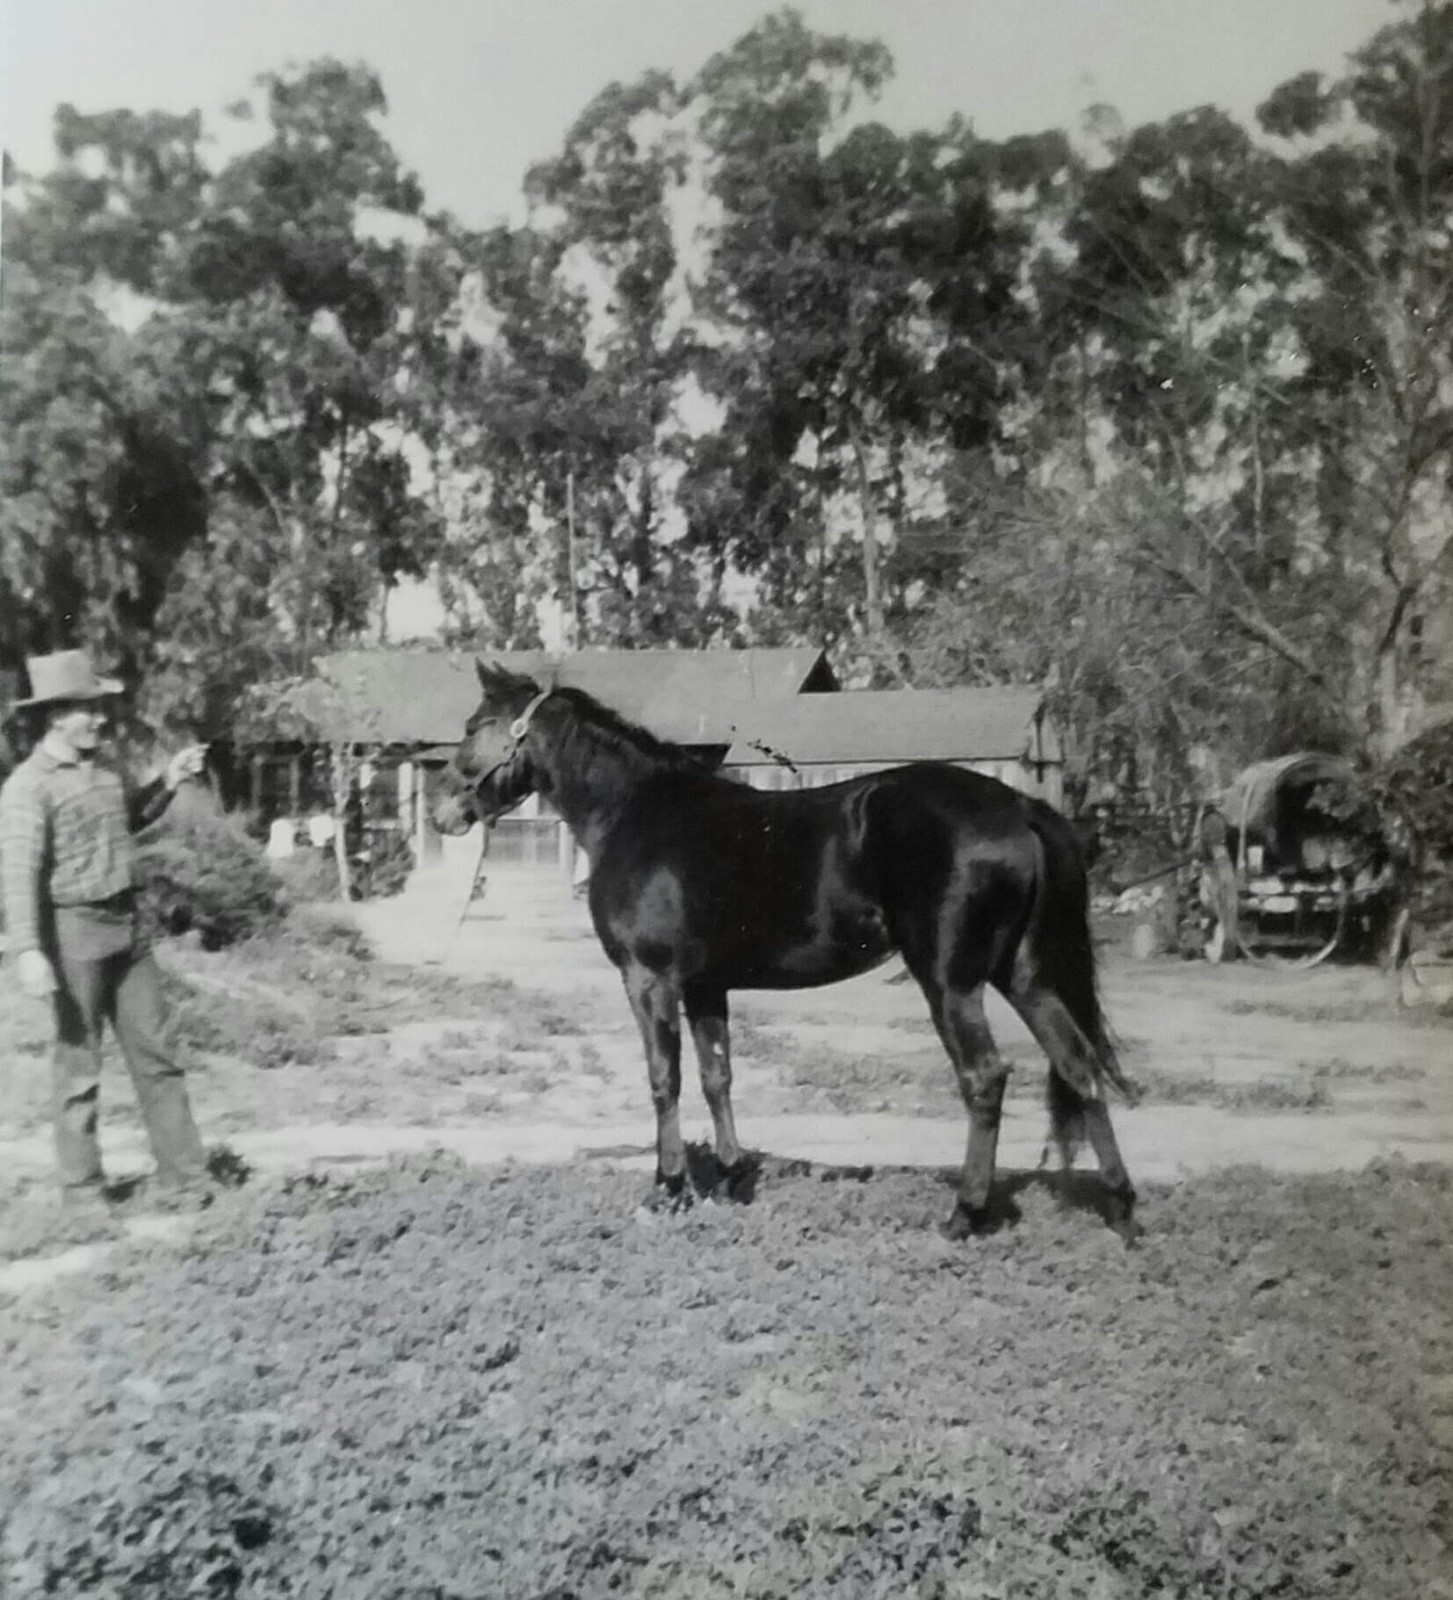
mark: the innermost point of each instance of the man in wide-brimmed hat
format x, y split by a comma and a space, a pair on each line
66, 860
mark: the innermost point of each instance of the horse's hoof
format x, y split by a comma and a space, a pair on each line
1120, 1214
741, 1180
964, 1223
1129, 1230
670, 1197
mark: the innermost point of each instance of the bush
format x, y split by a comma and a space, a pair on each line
383, 868
1417, 786
200, 872
376, 870
308, 875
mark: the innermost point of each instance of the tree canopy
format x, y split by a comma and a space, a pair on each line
1161, 417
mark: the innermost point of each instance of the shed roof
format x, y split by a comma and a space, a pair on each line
896, 725
424, 697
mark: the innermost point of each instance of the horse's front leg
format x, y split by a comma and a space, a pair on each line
706, 1012
657, 1007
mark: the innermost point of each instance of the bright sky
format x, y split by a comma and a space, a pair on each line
479, 89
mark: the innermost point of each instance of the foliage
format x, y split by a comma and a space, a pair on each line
201, 873
288, 997
1159, 416
1253, 1403
327, 710
855, 281
1416, 786
209, 475
385, 871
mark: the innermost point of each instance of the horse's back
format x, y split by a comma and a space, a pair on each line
756, 888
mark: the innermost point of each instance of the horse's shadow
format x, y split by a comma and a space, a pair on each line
121, 1191
1072, 1191
1075, 1191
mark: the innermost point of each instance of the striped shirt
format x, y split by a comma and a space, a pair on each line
65, 839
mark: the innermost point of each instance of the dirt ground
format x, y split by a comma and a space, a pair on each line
502, 1034
1305, 1071
378, 1371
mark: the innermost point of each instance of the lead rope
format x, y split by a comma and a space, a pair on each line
518, 729
476, 877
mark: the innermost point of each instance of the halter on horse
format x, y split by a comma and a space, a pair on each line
701, 885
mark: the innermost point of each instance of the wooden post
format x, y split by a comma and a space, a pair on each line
341, 780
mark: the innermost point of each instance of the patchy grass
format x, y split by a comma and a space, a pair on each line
1340, 1013
922, 1080
279, 998
847, 1081
1339, 1070
426, 1381
1316, 1011
1303, 1091
306, 1026
753, 1037
590, 1061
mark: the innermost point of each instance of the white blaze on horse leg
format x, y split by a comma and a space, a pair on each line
713, 1052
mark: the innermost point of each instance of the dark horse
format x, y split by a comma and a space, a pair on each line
700, 885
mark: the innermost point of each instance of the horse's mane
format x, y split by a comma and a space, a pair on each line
598, 726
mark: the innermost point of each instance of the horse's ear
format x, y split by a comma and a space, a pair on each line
495, 679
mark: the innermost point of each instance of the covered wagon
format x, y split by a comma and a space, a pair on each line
1293, 863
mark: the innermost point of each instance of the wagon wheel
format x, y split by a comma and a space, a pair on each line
1398, 945
1298, 963
1217, 946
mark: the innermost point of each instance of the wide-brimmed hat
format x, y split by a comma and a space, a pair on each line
66, 675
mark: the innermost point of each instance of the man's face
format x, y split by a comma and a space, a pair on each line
79, 725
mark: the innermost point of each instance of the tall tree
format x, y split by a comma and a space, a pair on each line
100, 479
523, 421
858, 286
1367, 199
612, 189
787, 354
235, 358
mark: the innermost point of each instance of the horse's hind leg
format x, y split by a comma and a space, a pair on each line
706, 1012
982, 1074
1078, 1102
656, 1005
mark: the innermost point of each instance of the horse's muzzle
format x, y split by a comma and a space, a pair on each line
455, 811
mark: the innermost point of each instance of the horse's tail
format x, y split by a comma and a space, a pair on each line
1062, 955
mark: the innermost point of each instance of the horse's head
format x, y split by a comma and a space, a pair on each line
491, 771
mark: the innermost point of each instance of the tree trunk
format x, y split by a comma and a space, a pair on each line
1390, 708
1258, 466
872, 575
341, 782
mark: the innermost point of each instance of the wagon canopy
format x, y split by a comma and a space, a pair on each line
1307, 812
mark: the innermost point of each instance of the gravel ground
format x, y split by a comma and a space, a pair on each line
431, 1381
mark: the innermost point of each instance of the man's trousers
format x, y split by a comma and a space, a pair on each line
96, 986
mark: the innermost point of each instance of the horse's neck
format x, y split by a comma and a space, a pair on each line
590, 777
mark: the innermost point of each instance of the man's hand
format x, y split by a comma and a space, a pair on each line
36, 976
185, 764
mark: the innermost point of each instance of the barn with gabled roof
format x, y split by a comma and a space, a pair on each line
409, 707
1003, 732
770, 717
